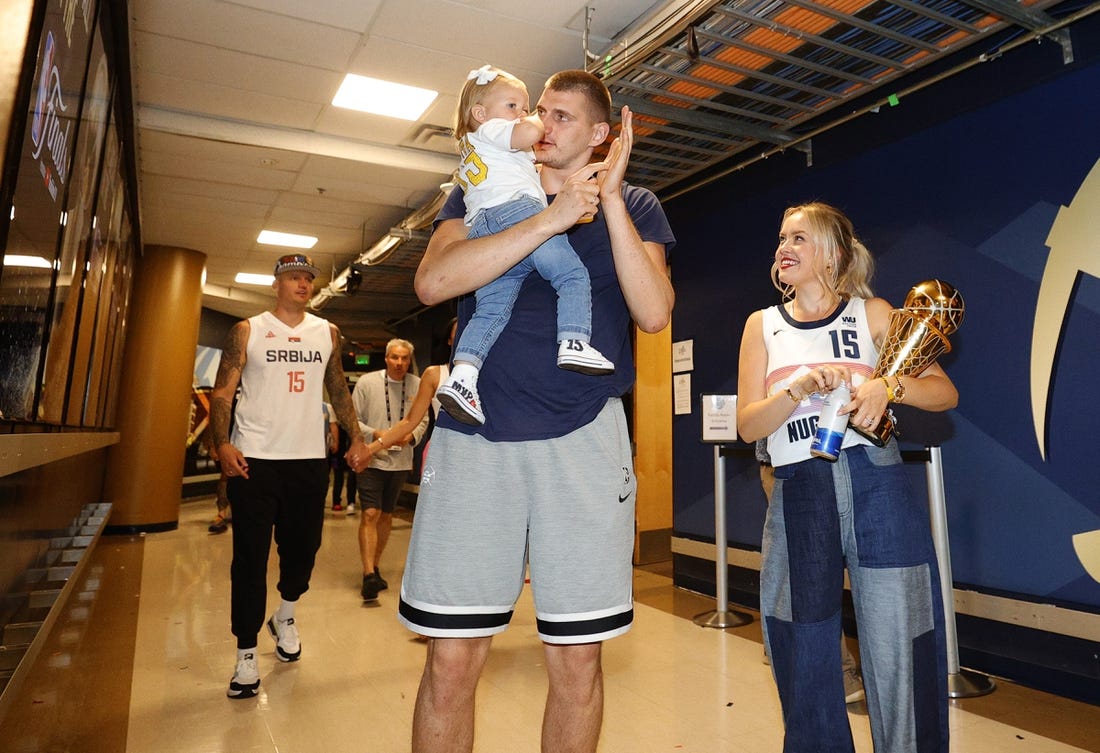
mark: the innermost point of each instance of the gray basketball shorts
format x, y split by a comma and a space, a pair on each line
488, 511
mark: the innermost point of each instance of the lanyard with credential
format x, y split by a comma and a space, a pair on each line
386, 386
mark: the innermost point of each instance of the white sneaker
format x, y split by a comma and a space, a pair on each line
246, 678
459, 398
577, 355
351, 508
288, 647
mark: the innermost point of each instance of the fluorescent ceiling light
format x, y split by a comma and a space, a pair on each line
383, 97
244, 278
272, 238
16, 260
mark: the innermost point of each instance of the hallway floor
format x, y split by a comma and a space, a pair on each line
142, 657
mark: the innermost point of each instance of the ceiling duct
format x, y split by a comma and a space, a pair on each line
413, 227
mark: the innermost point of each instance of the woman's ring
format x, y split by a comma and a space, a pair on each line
868, 422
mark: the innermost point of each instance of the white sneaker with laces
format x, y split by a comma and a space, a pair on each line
459, 398
288, 647
246, 678
577, 355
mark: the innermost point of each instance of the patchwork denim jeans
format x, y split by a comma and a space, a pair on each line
860, 513
555, 260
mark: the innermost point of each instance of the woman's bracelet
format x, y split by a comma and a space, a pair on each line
795, 400
889, 389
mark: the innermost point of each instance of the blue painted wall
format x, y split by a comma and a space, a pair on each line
961, 182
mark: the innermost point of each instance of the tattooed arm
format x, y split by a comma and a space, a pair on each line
221, 399
338, 394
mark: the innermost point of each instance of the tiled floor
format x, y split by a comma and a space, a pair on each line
670, 685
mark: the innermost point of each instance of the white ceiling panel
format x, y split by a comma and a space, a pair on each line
163, 184
353, 16
236, 27
608, 17
388, 177
363, 126
216, 171
158, 55
462, 32
325, 202
241, 211
225, 102
169, 143
304, 216
209, 233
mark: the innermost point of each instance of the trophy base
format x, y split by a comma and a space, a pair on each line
881, 434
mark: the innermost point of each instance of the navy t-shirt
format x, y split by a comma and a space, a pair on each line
524, 394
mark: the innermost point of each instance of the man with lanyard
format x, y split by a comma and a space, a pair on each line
276, 463
381, 399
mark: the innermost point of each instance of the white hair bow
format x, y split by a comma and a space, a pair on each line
484, 75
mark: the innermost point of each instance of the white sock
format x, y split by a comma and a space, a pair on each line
465, 372
285, 610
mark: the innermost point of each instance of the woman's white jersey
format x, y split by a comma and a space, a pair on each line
796, 348
278, 415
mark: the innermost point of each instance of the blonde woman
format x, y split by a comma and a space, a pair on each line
857, 513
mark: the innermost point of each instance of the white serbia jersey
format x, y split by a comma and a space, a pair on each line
795, 348
493, 173
279, 413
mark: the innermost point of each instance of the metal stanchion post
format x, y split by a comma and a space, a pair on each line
721, 617
961, 683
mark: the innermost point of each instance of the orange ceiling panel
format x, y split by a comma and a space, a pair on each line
717, 75
804, 20
638, 116
734, 56
693, 90
673, 102
772, 40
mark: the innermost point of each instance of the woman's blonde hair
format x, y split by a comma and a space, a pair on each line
472, 94
849, 266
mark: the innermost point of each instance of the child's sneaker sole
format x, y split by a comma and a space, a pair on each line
580, 356
584, 366
459, 407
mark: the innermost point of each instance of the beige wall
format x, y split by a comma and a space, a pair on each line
653, 452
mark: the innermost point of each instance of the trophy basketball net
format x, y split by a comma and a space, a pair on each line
916, 337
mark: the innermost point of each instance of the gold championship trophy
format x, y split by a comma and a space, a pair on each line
917, 336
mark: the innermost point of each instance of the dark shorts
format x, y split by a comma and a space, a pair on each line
380, 489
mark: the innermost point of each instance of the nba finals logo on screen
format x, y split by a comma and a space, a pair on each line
46, 129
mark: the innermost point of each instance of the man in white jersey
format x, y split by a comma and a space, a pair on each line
283, 360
